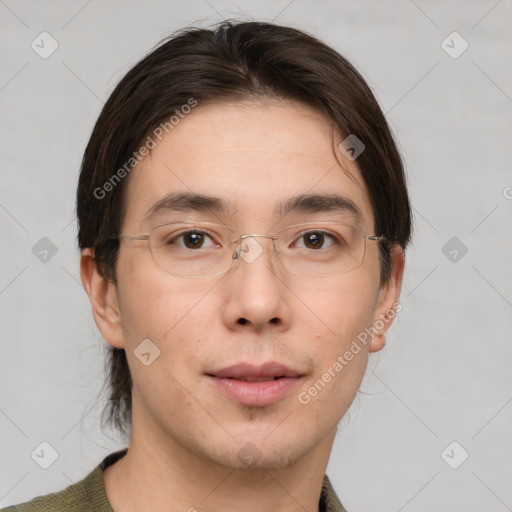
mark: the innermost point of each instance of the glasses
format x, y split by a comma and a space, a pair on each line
202, 249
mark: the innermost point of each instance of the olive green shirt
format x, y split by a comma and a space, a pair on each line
89, 495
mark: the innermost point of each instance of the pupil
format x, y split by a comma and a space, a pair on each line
193, 240
315, 240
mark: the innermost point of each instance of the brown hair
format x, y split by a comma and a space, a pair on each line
229, 62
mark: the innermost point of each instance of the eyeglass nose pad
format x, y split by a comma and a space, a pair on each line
249, 250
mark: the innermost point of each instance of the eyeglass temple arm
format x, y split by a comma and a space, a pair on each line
139, 237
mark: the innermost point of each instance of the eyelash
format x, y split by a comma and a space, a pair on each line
332, 237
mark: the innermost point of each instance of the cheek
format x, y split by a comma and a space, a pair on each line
176, 314
341, 307
340, 314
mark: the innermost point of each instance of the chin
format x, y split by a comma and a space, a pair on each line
253, 453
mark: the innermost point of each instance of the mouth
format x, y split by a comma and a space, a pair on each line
256, 379
255, 386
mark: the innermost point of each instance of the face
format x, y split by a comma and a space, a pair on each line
254, 157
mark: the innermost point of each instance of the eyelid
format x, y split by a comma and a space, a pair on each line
182, 231
336, 239
209, 229
312, 227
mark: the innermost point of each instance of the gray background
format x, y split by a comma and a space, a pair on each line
445, 373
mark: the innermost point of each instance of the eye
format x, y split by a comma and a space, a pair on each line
193, 239
315, 240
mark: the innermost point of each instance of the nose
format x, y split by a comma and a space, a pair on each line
255, 292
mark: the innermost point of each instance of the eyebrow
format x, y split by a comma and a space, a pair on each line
306, 203
189, 201
318, 203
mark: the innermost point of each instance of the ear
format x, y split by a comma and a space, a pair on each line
388, 304
103, 297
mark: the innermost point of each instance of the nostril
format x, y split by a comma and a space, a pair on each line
243, 321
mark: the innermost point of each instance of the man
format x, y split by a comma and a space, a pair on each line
243, 217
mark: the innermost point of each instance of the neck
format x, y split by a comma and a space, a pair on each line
161, 477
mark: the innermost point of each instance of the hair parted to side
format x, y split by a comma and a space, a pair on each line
231, 61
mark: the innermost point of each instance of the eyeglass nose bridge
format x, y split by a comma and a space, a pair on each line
250, 252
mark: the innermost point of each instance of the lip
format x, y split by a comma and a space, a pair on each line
255, 386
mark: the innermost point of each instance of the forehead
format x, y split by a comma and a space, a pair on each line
256, 157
